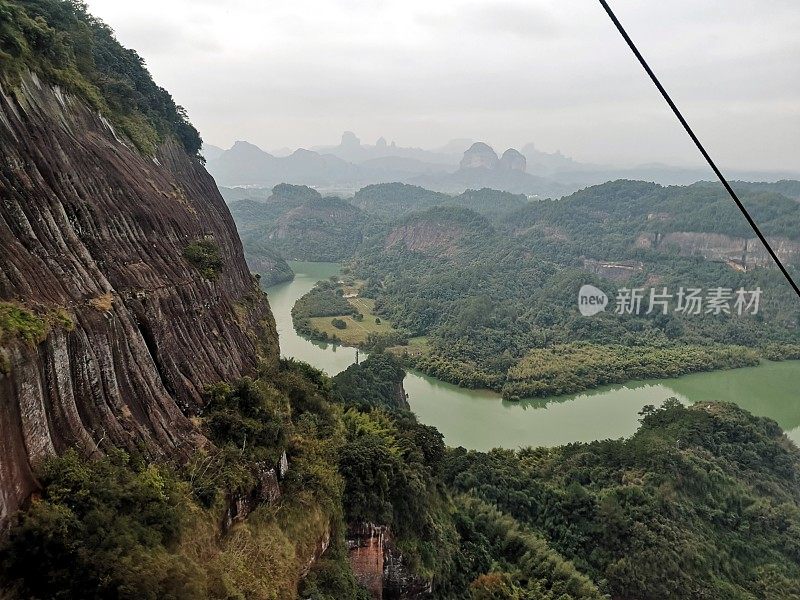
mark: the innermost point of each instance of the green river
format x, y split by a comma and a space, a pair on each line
480, 419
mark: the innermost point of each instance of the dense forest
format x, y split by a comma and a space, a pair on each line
697, 504
701, 503
495, 301
394, 200
219, 525
295, 222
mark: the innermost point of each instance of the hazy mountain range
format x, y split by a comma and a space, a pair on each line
453, 168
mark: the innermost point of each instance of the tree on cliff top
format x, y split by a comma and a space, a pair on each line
62, 42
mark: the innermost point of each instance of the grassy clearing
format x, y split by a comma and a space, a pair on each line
356, 332
417, 346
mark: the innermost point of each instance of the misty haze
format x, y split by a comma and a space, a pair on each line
348, 300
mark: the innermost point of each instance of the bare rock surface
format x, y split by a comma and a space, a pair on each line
91, 227
513, 160
479, 155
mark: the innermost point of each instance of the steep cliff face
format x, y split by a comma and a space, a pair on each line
431, 239
379, 567
513, 160
739, 252
479, 156
444, 231
96, 231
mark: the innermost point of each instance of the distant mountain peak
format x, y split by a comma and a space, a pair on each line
240, 146
513, 160
304, 152
211, 152
482, 156
350, 140
479, 155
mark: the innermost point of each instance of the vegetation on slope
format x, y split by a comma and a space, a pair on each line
325, 230
499, 294
392, 200
615, 213
267, 263
701, 503
118, 527
376, 382
501, 559
204, 256
568, 368
297, 223
61, 41
18, 322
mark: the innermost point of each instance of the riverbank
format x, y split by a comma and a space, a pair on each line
480, 419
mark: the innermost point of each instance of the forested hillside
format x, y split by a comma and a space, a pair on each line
620, 211
492, 300
296, 223
701, 503
391, 201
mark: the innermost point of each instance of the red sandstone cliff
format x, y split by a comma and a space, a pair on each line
91, 227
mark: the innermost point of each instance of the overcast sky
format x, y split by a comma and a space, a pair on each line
297, 73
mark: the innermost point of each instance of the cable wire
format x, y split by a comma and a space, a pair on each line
699, 145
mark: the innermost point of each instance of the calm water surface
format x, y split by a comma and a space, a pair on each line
481, 420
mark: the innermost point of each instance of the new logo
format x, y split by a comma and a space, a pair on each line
591, 300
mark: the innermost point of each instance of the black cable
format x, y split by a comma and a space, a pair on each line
700, 147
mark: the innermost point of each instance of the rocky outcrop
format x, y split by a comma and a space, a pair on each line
483, 156
269, 265
481, 168
479, 156
615, 271
400, 397
739, 252
512, 160
429, 238
379, 567
91, 227
365, 546
267, 491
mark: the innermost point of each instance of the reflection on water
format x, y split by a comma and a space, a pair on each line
479, 419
